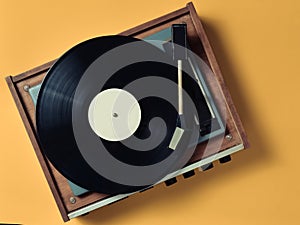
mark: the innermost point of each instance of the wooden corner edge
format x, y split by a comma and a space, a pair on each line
44, 165
216, 69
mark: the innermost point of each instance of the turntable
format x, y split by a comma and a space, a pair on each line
116, 115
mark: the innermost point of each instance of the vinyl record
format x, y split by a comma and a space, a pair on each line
64, 101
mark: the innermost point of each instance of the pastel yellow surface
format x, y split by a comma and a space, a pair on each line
257, 44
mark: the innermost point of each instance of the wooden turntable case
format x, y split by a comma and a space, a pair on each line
71, 206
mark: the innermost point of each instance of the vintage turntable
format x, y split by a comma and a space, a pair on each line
69, 110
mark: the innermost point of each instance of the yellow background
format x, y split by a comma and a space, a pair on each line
257, 44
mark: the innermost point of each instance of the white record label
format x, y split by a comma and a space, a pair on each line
114, 114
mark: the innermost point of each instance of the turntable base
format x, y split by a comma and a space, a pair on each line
69, 204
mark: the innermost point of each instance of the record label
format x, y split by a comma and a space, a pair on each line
114, 114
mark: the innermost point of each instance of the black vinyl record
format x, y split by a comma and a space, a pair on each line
57, 100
